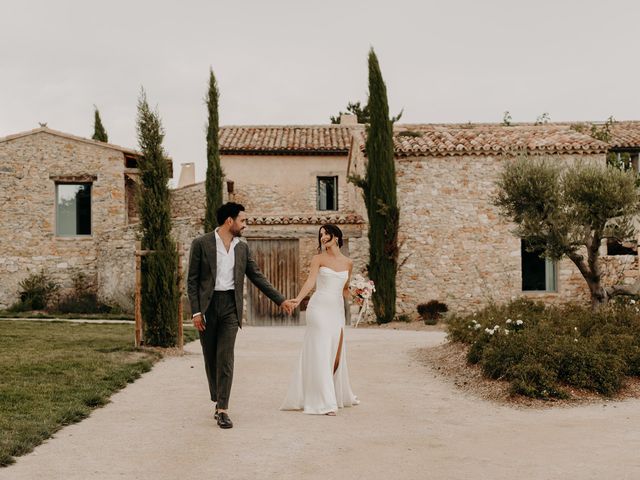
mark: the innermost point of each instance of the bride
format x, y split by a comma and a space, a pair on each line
320, 382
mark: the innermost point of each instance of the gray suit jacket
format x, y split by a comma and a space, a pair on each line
202, 275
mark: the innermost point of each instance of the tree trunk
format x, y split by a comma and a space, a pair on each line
599, 296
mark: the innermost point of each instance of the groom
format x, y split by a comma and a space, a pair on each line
218, 262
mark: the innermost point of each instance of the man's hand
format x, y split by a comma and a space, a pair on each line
289, 306
198, 322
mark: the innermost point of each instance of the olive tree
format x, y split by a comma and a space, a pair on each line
568, 210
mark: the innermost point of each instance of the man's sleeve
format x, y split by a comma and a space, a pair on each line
193, 277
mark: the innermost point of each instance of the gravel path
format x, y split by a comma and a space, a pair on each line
410, 425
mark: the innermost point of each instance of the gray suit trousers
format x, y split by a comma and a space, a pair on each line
218, 341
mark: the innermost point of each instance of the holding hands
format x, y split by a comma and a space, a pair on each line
289, 305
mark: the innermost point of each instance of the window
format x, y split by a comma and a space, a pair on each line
538, 274
627, 247
73, 209
327, 193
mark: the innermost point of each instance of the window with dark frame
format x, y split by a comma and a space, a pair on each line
538, 274
73, 209
617, 247
327, 197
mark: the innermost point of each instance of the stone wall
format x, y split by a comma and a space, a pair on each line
189, 201
284, 184
27, 201
116, 267
116, 260
455, 246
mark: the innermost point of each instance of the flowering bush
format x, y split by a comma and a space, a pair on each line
540, 350
361, 289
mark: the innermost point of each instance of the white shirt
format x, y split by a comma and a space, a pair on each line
225, 261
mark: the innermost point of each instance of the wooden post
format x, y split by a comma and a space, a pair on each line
138, 300
180, 328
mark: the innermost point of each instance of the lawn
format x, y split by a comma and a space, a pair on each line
42, 314
54, 373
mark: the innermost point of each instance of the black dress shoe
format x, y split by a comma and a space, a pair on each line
224, 421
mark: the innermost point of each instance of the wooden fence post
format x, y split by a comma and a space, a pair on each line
180, 327
138, 298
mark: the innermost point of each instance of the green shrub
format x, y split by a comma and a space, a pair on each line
534, 379
83, 298
431, 311
539, 349
37, 291
584, 366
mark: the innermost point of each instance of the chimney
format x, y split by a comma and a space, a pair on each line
187, 174
348, 119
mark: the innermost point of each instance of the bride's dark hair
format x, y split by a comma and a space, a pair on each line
332, 231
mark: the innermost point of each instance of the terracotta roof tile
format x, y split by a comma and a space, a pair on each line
337, 219
444, 140
296, 139
625, 135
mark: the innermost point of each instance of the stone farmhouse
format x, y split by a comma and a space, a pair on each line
68, 205
59, 195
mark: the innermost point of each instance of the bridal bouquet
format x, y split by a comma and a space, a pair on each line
361, 289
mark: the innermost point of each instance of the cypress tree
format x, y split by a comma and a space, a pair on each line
99, 133
380, 197
215, 174
160, 293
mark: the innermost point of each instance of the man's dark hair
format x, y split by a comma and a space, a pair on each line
332, 231
229, 209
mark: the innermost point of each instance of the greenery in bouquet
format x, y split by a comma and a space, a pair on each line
361, 289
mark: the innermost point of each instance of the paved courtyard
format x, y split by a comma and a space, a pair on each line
410, 425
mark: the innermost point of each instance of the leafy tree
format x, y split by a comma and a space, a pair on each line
506, 119
543, 119
568, 211
354, 108
380, 196
99, 133
160, 293
214, 169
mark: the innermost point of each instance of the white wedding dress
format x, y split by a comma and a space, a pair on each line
314, 387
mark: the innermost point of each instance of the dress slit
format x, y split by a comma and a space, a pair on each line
336, 363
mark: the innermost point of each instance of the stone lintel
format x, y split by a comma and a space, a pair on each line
81, 178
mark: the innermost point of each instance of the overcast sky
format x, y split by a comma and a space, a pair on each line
298, 62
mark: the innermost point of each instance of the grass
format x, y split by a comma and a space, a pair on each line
55, 373
41, 314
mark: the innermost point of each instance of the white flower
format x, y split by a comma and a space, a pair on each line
490, 331
575, 339
632, 301
477, 326
506, 332
519, 322
508, 320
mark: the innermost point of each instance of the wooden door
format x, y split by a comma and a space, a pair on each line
278, 259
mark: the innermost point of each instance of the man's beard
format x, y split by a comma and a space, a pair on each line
236, 233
